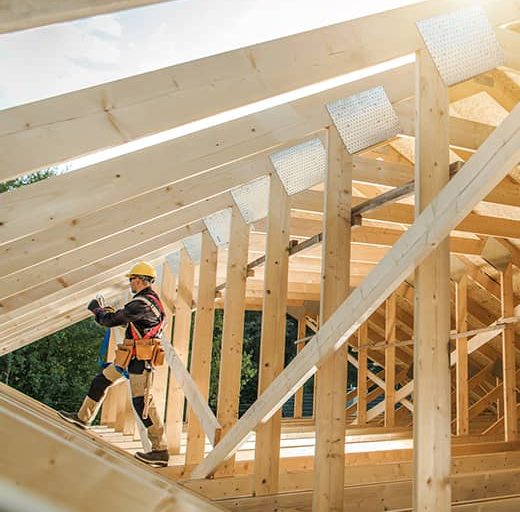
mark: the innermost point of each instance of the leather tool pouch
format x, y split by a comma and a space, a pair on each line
144, 349
158, 354
123, 354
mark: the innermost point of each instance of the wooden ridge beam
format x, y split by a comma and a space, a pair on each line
499, 153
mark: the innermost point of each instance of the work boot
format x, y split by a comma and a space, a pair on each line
72, 417
155, 458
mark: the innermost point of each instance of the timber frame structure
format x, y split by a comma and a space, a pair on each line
265, 212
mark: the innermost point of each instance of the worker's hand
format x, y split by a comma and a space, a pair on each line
94, 305
109, 309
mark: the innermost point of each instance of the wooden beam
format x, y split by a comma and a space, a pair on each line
479, 175
32, 431
332, 373
272, 344
390, 335
202, 344
362, 388
181, 338
462, 375
113, 113
23, 14
509, 356
110, 182
432, 428
168, 287
232, 330
298, 396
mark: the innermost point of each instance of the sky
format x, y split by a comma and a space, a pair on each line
64, 57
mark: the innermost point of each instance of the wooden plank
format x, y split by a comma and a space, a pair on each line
509, 356
202, 344
232, 330
62, 128
432, 420
462, 375
332, 373
272, 344
61, 455
362, 387
480, 174
390, 336
390, 495
181, 338
23, 14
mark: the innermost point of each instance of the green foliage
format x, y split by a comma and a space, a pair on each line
27, 180
56, 370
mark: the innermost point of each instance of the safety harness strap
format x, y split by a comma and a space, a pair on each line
157, 309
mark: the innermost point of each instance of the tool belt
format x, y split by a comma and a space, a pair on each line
144, 349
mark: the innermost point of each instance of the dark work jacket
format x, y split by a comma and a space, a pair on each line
136, 311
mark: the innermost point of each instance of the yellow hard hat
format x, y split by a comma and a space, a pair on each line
142, 269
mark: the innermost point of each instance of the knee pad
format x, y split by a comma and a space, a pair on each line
98, 387
138, 402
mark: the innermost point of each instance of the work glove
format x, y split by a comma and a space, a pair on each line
94, 305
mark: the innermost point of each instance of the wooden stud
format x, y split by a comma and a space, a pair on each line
232, 330
432, 421
390, 335
167, 293
200, 362
509, 355
332, 373
298, 396
272, 345
181, 337
362, 384
462, 375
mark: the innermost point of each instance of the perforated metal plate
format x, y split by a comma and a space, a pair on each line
364, 119
462, 44
301, 166
218, 225
193, 244
174, 261
252, 199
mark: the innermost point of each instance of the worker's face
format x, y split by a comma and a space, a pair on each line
136, 283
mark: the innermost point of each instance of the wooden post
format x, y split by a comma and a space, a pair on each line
160, 380
109, 409
432, 431
298, 396
390, 336
329, 462
508, 355
200, 365
272, 345
233, 330
181, 338
462, 390
362, 384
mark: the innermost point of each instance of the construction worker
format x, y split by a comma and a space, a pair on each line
144, 319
